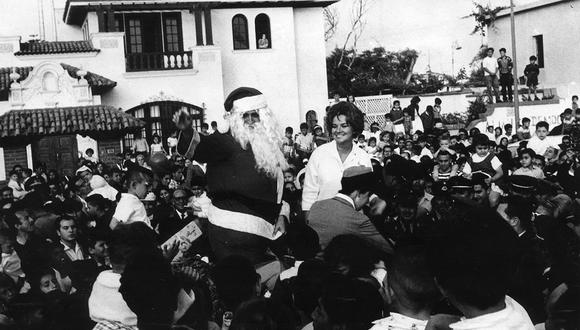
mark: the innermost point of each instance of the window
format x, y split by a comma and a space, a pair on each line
135, 36
263, 35
539, 39
128, 141
139, 113
172, 32
240, 32
154, 111
156, 129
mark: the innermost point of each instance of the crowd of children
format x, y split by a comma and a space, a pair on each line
484, 237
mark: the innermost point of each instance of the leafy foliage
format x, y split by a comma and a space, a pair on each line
375, 71
476, 107
484, 17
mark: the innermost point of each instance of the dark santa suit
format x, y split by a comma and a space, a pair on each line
245, 201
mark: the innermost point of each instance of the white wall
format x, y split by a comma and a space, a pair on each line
311, 61
559, 26
272, 71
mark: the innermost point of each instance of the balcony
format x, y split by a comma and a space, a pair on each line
159, 61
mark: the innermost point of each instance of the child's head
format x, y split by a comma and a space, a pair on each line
574, 98
502, 51
490, 129
542, 129
396, 103
372, 142
388, 117
361, 139
490, 51
8, 289
422, 141
304, 128
317, 130
90, 152
481, 144
26, 173
539, 162
498, 131
526, 122
385, 137
526, 157
6, 241
444, 142
98, 246
46, 281
408, 112
289, 132
533, 59
387, 151
508, 129
453, 140
438, 101
138, 183
289, 175
13, 175
157, 138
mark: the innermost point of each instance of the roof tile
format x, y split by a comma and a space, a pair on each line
69, 120
56, 47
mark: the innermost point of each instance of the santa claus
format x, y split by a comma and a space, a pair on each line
244, 175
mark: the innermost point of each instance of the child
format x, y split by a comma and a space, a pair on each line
485, 162
539, 143
372, 148
388, 126
172, 143
445, 144
490, 133
361, 141
396, 112
531, 72
199, 202
445, 168
17, 189
319, 138
425, 151
304, 142
288, 144
408, 121
523, 132
130, 208
528, 168
11, 264
99, 250
384, 140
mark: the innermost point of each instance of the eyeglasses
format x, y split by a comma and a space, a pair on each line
252, 114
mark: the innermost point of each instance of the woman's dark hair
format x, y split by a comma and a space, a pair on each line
354, 117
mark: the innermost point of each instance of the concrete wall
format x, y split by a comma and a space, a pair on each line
311, 61
559, 26
549, 113
272, 71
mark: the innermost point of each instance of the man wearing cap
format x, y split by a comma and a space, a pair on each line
244, 175
340, 215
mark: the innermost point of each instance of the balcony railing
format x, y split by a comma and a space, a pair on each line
159, 61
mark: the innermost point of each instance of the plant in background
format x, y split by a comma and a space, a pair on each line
476, 108
456, 118
484, 17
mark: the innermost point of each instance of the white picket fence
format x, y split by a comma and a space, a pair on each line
374, 107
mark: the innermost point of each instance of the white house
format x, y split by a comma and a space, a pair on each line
548, 29
152, 57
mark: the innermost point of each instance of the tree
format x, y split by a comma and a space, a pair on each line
330, 22
484, 17
357, 25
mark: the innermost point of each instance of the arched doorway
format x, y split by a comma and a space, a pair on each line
158, 117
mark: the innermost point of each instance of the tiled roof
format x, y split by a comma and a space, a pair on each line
99, 84
70, 120
56, 47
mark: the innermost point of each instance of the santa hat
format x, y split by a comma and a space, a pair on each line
242, 100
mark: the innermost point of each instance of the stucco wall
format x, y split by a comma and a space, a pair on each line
272, 71
310, 61
560, 29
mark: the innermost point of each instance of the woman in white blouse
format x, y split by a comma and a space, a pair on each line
328, 162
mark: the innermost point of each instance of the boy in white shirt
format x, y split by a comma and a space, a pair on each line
539, 143
490, 68
130, 208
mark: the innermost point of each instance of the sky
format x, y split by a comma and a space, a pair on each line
428, 26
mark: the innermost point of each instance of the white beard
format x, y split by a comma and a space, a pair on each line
265, 139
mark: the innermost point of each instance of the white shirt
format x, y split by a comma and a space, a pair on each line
324, 172
74, 255
539, 146
131, 209
426, 152
512, 317
491, 64
398, 321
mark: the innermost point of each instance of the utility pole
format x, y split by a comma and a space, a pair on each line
515, 72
